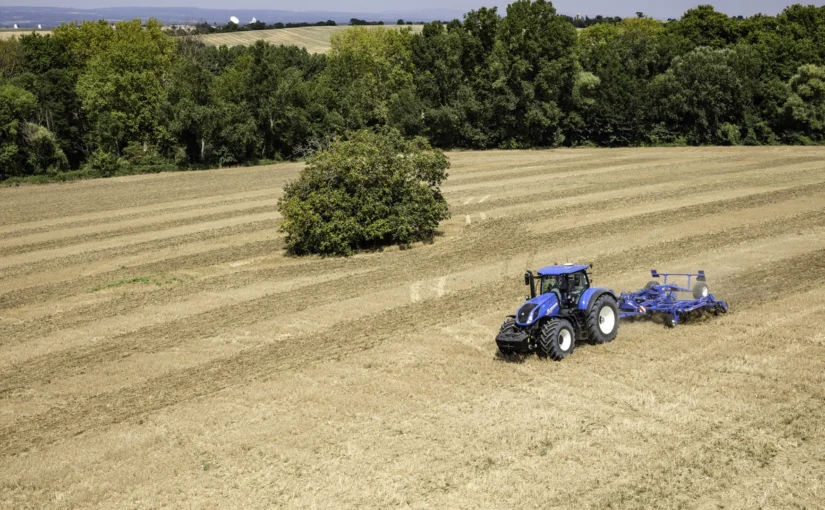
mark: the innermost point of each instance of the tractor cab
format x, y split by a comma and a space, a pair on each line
568, 283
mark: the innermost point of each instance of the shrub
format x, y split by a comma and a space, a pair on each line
372, 190
141, 154
44, 153
104, 164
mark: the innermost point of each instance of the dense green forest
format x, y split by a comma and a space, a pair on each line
103, 101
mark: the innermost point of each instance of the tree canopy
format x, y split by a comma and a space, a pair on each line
130, 97
375, 188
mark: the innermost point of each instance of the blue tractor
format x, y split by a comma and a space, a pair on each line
562, 309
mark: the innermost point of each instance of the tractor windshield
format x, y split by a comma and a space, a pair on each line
549, 284
572, 284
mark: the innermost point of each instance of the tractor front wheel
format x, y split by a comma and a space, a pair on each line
557, 340
603, 320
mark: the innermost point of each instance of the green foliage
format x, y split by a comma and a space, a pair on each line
15, 105
700, 96
372, 190
44, 153
122, 89
532, 71
25, 148
625, 57
806, 105
127, 99
367, 67
104, 164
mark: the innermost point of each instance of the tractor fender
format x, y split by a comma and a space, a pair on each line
590, 296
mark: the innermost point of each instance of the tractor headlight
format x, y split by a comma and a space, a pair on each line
532, 316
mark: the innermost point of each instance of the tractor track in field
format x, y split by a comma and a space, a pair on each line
577, 169
126, 231
677, 188
608, 183
98, 411
66, 288
16, 271
554, 236
165, 335
57, 204
140, 213
164, 267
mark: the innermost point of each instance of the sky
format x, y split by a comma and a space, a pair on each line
656, 8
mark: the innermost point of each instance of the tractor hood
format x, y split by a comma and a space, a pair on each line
546, 305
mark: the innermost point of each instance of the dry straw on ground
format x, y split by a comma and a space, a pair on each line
158, 349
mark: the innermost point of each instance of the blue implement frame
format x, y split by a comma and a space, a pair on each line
663, 299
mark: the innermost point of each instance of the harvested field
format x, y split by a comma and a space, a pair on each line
160, 350
10, 34
314, 39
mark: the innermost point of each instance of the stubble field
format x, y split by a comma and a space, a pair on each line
314, 39
158, 349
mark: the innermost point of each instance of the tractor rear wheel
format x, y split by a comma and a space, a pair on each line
603, 320
701, 290
557, 340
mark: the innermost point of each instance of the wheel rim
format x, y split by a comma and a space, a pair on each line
565, 340
607, 320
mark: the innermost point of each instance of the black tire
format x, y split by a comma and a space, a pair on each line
557, 340
651, 284
508, 327
701, 290
670, 321
599, 328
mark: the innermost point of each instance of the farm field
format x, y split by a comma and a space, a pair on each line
314, 39
157, 347
9, 34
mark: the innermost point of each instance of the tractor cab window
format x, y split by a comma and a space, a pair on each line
578, 283
550, 284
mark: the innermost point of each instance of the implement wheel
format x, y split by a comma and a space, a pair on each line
603, 320
701, 290
556, 340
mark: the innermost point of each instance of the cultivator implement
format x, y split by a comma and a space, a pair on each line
662, 298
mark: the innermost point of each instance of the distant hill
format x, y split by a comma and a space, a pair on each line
30, 17
314, 39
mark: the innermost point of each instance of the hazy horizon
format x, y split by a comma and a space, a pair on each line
656, 8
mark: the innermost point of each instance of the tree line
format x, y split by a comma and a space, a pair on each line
106, 101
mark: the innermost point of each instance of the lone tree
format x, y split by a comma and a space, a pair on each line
374, 189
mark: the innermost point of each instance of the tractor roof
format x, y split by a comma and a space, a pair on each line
561, 270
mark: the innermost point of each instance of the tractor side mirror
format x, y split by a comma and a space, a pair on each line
527, 279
